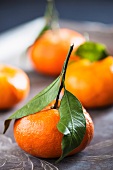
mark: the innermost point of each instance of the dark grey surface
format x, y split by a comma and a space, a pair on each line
13, 158
16, 12
99, 155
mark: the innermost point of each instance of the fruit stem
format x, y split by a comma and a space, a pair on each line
66, 61
51, 19
51, 15
63, 73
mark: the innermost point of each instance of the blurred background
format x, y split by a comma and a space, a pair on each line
16, 12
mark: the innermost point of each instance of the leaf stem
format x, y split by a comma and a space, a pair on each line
49, 11
57, 98
51, 19
51, 15
63, 73
66, 61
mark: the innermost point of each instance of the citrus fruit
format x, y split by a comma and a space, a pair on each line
37, 134
14, 86
91, 82
48, 53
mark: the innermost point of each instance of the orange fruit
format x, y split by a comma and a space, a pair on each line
14, 86
48, 53
91, 82
37, 134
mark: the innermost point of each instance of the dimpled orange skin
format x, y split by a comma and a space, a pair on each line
14, 86
92, 83
38, 135
48, 53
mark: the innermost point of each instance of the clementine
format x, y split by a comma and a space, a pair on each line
91, 82
48, 53
38, 135
14, 86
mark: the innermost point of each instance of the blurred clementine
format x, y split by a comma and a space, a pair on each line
38, 135
48, 53
91, 82
14, 86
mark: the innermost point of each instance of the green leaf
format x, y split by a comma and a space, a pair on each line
72, 123
37, 103
92, 51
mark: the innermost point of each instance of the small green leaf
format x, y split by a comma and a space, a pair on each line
92, 51
72, 123
40, 101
